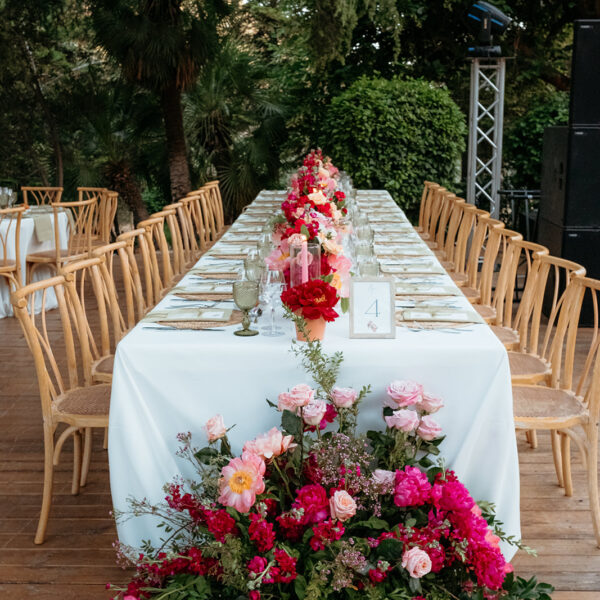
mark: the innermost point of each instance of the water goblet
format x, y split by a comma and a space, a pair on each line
368, 266
272, 285
254, 267
365, 232
362, 248
245, 295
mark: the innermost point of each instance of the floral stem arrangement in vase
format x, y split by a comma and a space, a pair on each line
319, 509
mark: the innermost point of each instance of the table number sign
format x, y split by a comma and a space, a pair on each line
372, 307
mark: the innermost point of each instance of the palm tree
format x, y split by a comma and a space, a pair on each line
161, 45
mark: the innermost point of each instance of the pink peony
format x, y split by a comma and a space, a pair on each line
279, 259
342, 505
215, 428
300, 395
416, 562
412, 487
431, 404
404, 420
384, 479
429, 429
270, 444
405, 393
343, 397
241, 480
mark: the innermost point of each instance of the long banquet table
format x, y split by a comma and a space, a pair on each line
172, 381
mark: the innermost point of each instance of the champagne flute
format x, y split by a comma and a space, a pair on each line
273, 284
245, 295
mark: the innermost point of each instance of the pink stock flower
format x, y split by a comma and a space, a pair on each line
429, 429
312, 499
404, 420
300, 395
215, 428
270, 444
412, 487
431, 404
314, 412
416, 562
241, 480
405, 393
342, 506
344, 397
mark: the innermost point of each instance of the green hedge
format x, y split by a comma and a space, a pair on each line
394, 134
523, 140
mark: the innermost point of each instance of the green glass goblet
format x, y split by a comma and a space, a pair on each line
245, 295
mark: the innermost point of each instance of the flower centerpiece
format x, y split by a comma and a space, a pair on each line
315, 510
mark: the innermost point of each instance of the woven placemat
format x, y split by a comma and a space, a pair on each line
229, 256
240, 241
400, 242
224, 275
204, 296
236, 317
251, 223
432, 325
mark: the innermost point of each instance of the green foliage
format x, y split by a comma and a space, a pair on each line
523, 140
394, 134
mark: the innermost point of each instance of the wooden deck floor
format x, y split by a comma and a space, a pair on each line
77, 560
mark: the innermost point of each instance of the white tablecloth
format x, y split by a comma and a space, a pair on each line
167, 382
29, 244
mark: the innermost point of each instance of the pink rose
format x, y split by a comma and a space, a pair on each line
314, 412
300, 395
430, 403
342, 505
215, 428
317, 197
416, 562
429, 429
405, 393
404, 420
385, 479
344, 397
270, 444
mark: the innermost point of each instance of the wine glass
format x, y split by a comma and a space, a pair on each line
365, 232
265, 245
368, 266
245, 295
272, 285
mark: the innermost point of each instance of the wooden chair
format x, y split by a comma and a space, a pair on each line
216, 203
41, 195
106, 209
446, 242
63, 368
169, 213
569, 407
522, 263
201, 233
532, 363
498, 251
93, 281
480, 248
162, 274
10, 237
141, 292
429, 188
185, 223
78, 244
436, 206
456, 264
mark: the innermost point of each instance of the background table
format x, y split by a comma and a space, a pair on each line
166, 382
29, 244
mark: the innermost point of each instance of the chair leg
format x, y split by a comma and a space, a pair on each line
565, 450
87, 455
534, 439
592, 476
76, 463
557, 457
105, 443
40, 534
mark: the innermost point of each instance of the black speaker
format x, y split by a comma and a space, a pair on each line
585, 74
570, 192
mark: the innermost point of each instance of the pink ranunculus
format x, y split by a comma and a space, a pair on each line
241, 481
416, 562
314, 412
431, 404
344, 397
429, 429
215, 428
405, 393
342, 505
270, 444
300, 395
384, 478
404, 419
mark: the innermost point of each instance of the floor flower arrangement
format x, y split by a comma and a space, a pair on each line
315, 510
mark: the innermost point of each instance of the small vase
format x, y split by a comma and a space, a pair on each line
315, 328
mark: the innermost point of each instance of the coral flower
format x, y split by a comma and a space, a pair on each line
241, 481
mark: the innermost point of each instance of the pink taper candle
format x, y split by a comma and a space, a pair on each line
304, 261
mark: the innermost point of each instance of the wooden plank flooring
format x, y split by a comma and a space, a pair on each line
77, 559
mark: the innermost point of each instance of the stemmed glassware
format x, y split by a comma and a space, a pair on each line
273, 283
265, 245
254, 266
245, 295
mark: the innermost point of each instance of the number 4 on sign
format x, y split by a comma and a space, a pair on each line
373, 309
